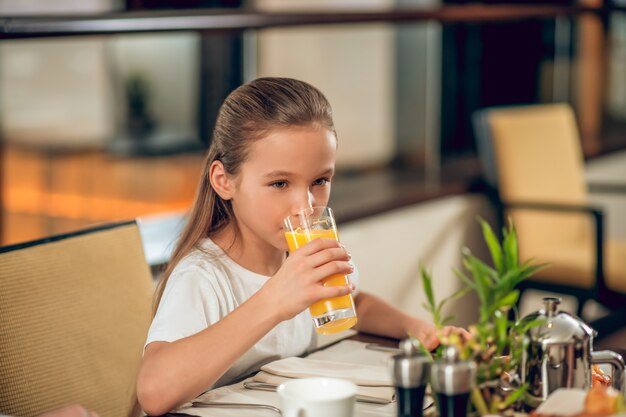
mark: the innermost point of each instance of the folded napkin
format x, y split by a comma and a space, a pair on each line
381, 394
371, 380
352, 351
363, 375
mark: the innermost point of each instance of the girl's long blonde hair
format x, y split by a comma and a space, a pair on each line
249, 113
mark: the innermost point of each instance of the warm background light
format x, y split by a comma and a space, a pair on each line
69, 191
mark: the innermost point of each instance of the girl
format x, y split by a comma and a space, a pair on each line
230, 300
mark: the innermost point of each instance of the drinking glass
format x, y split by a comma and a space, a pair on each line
330, 315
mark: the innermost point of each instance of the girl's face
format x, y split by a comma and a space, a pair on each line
286, 171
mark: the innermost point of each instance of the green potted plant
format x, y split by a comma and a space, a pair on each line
497, 339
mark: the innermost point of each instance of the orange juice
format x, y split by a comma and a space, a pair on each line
299, 238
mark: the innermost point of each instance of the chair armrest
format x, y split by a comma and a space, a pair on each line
606, 188
603, 293
594, 211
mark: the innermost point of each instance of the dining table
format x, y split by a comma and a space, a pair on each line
351, 346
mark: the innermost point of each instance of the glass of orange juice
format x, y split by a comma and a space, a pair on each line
330, 315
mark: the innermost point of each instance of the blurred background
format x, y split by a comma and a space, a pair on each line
102, 128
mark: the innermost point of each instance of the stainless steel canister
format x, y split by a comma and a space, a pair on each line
559, 354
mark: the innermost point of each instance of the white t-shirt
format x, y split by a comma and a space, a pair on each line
204, 288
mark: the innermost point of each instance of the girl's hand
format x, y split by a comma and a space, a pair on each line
297, 284
430, 337
426, 333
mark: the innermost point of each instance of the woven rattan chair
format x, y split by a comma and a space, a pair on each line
74, 312
533, 162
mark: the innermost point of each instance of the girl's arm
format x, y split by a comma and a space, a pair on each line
172, 373
379, 317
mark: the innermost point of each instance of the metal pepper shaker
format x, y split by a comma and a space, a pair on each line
410, 371
452, 380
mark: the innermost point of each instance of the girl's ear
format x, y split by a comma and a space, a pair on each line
220, 181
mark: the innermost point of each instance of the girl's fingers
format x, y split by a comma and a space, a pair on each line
330, 292
430, 341
327, 255
331, 268
464, 334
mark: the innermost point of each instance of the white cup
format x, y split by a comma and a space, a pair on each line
317, 397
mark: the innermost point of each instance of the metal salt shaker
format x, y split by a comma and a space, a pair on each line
452, 380
410, 371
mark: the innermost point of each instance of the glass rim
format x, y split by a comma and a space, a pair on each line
310, 210
303, 217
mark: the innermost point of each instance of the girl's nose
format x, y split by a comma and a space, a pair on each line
304, 202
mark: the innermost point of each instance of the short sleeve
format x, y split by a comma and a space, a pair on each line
192, 300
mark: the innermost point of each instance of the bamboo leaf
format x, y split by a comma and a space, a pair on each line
501, 329
460, 293
460, 275
506, 302
486, 270
515, 395
479, 401
484, 285
508, 281
510, 246
481, 287
524, 326
495, 404
494, 246
528, 270
428, 287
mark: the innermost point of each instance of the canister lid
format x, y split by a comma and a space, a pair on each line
450, 375
409, 369
559, 327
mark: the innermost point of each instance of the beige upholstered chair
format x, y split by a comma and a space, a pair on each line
74, 312
532, 156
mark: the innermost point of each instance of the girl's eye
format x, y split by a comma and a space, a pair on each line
321, 181
279, 184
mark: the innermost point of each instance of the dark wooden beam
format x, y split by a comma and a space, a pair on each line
242, 19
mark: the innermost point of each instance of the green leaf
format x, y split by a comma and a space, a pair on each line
515, 395
494, 246
507, 301
510, 246
428, 287
445, 320
485, 269
464, 278
528, 270
501, 329
479, 401
523, 326
460, 293
495, 404
508, 281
